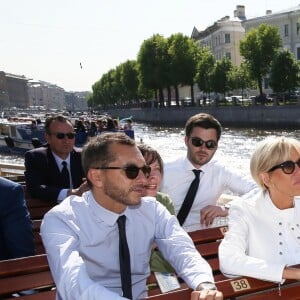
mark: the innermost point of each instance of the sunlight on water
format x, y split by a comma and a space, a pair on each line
235, 146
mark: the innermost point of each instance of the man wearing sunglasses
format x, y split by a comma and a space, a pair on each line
82, 235
44, 166
202, 135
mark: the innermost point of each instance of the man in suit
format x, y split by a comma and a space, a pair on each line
16, 233
44, 166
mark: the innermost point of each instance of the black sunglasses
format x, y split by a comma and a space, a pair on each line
197, 142
288, 167
60, 135
131, 171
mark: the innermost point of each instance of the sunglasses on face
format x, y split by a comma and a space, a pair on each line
60, 135
287, 167
131, 171
197, 142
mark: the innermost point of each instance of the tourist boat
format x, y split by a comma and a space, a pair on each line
25, 133
21, 133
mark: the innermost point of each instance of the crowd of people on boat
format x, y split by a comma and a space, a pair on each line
86, 128
118, 198
97, 126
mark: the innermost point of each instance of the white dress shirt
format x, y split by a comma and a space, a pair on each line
63, 192
215, 179
261, 240
81, 240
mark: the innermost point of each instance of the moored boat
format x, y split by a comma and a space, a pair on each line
21, 133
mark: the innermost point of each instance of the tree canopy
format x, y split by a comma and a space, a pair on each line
258, 48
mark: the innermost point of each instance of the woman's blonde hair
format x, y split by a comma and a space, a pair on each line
269, 153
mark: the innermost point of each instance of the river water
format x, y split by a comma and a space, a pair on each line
235, 146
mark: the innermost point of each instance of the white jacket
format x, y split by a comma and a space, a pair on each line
261, 239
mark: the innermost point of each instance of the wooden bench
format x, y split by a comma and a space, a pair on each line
242, 288
40, 249
208, 235
37, 207
27, 273
290, 292
207, 242
32, 273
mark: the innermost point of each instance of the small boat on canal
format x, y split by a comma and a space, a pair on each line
22, 133
25, 133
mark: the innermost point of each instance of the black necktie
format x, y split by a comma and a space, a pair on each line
189, 198
65, 177
124, 259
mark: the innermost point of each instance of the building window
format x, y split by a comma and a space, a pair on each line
228, 55
298, 53
286, 30
298, 28
227, 38
266, 83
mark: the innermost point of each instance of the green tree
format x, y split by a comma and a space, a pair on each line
103, 93
205, 68
284, 75
240, 78
258, 48
129, 80
220, 78
153, 61
182, 62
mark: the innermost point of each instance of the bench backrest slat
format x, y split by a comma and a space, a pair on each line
10, 285
23, 265
43, 295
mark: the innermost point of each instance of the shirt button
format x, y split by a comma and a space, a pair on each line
280, 243
280, 253
292, 228
280, 223
280, 233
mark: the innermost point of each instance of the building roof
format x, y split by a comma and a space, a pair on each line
270, 14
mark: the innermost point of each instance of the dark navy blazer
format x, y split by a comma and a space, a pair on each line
42, 175
16, 233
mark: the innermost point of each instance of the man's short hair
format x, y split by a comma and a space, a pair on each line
96, 152
203, 120
58, 118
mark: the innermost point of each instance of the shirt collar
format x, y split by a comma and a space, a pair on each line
189, 166
102, 214
59, 160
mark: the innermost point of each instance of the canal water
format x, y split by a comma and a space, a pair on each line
235, 146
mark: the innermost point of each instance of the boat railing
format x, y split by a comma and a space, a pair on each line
11, 170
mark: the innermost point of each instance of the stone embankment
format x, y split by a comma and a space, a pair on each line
259, 116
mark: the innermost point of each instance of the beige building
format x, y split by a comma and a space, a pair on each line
223, 37
288, 23
46, 94
13, 91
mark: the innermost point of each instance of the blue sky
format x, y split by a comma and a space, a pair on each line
47, 40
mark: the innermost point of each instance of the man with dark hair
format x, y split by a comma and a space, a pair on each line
55, 172
210, 177
98, 245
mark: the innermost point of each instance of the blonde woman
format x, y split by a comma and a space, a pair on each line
263, 239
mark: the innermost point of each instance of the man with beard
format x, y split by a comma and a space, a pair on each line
83, 234
202, 135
